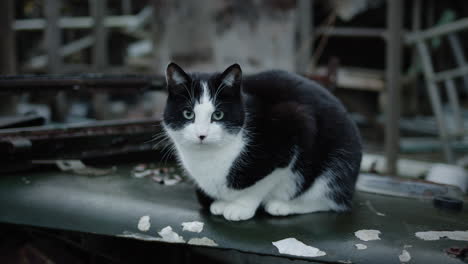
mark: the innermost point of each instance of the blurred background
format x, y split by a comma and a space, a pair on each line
78, 62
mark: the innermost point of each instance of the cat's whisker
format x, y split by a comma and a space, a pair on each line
167, 151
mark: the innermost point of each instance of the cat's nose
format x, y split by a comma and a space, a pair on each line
202, 137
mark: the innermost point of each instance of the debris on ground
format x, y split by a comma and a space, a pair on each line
140, 168
204, 241
144, 223
172, 179
436, 235
78, 167
292, 246
368, 234
404, 256
170, 236
164, 175
138, 236
141, 174
360, 246
194, 226
457, 252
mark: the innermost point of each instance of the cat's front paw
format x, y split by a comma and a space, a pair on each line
217, 207
237, 212
277, 207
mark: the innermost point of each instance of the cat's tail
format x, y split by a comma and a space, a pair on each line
342, 171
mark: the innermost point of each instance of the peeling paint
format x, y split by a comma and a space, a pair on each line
170, 236
144, 223
204, 241
194, 226
368, 234
141, 174
292, 246
436, 235
360, 246
138, 236
404, 256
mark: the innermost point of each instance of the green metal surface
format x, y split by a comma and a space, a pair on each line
113, 204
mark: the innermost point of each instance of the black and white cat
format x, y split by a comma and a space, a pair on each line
272, 139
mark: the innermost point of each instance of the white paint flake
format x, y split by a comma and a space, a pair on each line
194, 226
404, 256
138, 236
360, 246
141, 174
144, 223
368, 234
204, 241
292, 246
170, 236
436, 235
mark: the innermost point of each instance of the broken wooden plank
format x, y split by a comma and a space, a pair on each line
358, 78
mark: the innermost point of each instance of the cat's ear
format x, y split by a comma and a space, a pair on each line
232, 76
176, 76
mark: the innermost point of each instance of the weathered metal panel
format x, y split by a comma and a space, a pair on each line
113, 204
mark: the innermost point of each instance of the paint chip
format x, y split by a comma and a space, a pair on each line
436, 235
78, 167
204, 241
360, 246
138, 236
142, 174
194, 226
404, 256
368, 234
144, 223
170, 236
292, 246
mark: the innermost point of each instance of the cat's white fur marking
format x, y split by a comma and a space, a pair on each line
209, 164
203, 111
313, 200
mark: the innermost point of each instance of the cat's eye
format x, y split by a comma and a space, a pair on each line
218, 115
188, 114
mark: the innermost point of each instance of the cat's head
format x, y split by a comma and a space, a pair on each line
203, 110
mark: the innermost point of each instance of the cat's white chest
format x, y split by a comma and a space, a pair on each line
209, 167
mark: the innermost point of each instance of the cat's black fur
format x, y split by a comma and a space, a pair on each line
283, 113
